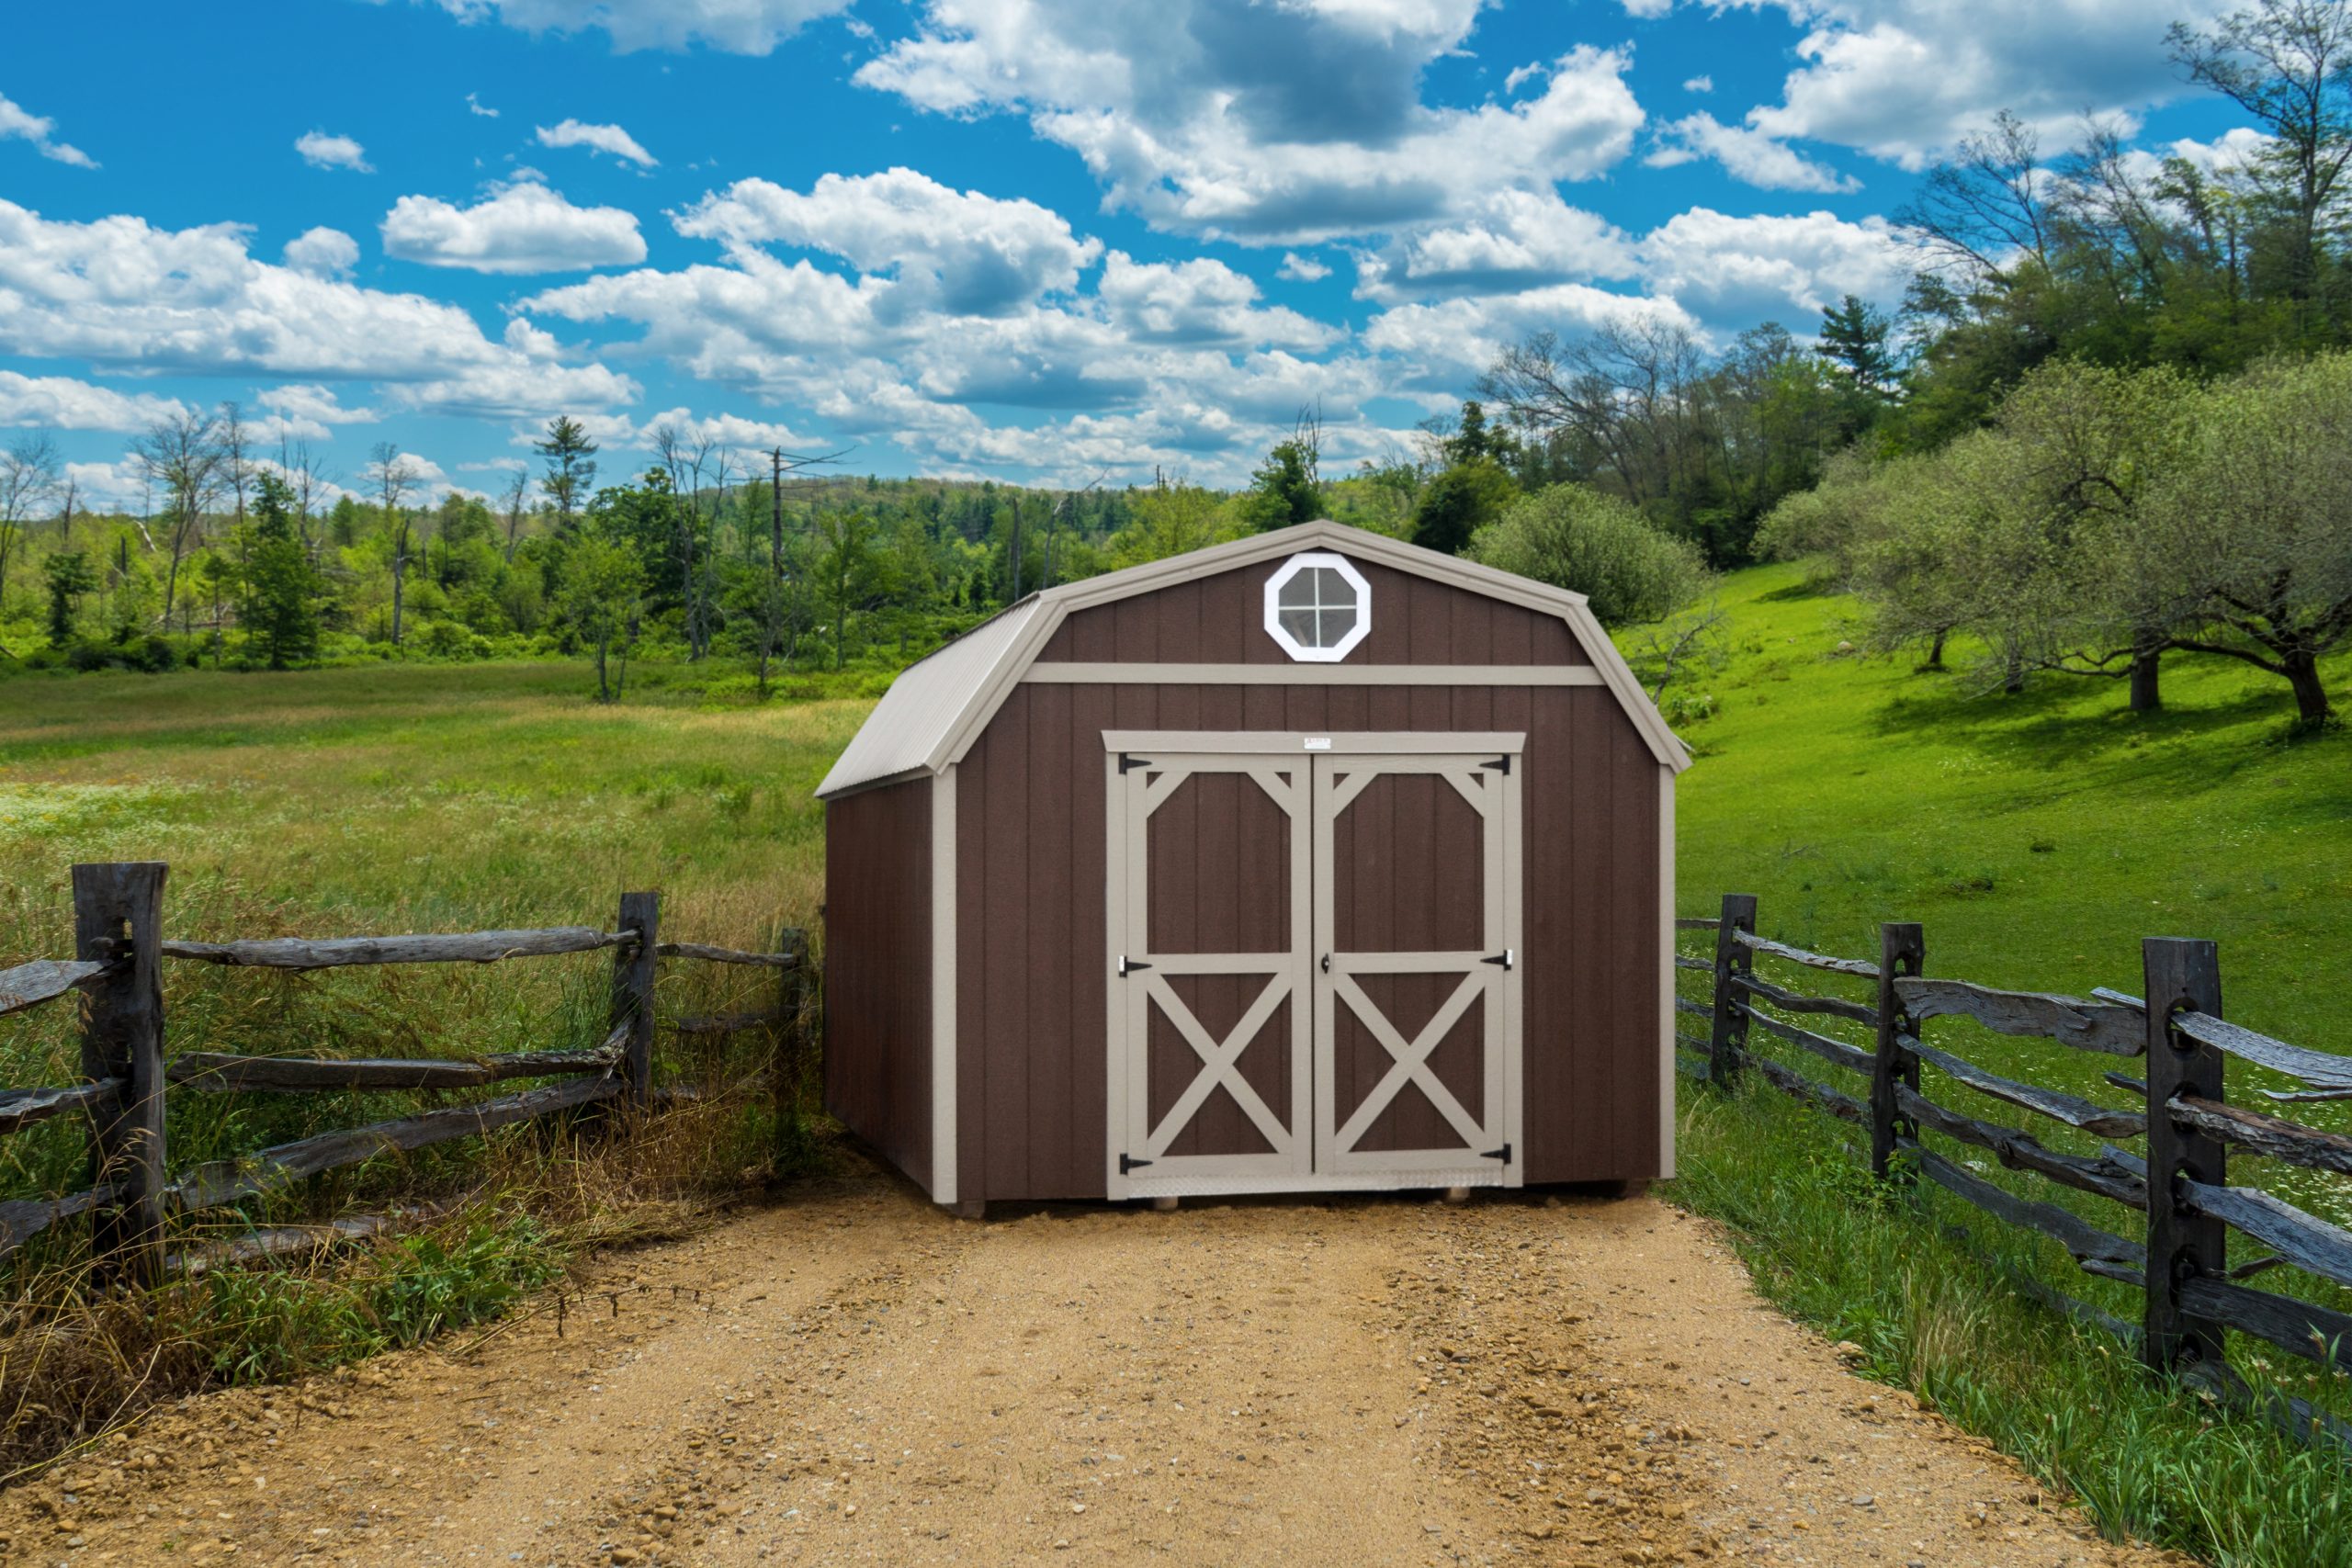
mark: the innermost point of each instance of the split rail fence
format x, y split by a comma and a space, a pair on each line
2175, 1189
117, 971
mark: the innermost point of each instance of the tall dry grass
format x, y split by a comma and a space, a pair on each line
360, 801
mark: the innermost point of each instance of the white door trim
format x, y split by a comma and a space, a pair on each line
1403, 742
1313, 996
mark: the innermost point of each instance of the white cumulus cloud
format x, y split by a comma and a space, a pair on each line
1302, 270
609, 139
322, 151
1904, 79
19, 124
1747, 155
120, 292
62, 402
971, 254
738, 27
1284, 124
322, 252
517, 229
1764, 264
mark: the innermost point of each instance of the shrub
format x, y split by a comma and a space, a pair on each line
1599, 547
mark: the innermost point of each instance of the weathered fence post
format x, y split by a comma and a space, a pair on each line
633, 970
1901, 949
1731, 959
2181, 977
117, 919
792, 1002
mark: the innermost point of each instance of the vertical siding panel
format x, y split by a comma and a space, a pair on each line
1262, 707
1430, 621
1474, 629
1049, 806
972, 912
1010, 1046
1351, 708
878, 904
1553, 1058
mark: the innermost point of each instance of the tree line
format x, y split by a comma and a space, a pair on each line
2108, 367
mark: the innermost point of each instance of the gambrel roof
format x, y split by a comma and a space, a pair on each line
937, 707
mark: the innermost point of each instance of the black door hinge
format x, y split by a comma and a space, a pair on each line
1501, 763
1502, 958
1129, 1162
1128, 966
1127, 763
1502, 1154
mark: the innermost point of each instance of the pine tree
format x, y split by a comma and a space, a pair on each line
1853, 339
280, 608
572, 468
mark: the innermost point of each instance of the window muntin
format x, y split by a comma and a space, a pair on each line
1318, 607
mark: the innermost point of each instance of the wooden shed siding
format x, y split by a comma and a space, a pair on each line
1032, 922
1220, 619
878, 969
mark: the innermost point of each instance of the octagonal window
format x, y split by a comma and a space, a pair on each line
1317, 606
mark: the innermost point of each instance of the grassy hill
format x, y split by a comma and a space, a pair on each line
2037, 836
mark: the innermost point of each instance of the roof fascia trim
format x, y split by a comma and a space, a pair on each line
1056, 604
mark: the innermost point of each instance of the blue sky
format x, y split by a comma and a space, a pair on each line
1026, 239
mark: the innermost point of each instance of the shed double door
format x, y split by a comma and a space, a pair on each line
1314, 963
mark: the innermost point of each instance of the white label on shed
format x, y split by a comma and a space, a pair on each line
1318, 743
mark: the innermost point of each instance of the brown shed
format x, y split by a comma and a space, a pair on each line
1311, 861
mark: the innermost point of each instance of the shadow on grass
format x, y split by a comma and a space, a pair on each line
1806, 588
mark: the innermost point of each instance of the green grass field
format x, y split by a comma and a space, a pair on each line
393, 799
2038, 837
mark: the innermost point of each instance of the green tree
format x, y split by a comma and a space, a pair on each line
601, 590
279, 602
1576, 537
1288, 487
571, 458
2245, 544
1462, 500
847, 568
1172, 518
1854, 340
70, 576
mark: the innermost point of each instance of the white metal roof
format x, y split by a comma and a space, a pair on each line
937, 707
925, 701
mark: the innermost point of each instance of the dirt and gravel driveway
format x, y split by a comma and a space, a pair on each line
848, 1376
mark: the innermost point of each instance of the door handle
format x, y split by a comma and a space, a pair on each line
1327, 964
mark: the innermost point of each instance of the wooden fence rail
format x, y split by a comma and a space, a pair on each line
2175, 1251
117, 971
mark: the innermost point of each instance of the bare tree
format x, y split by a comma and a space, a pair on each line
1629, 394
784, 599
1987, 207
27, 478
181, 456
236, 466
2289, 65
515, 500
394, 478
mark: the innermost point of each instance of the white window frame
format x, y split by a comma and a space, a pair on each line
1291, 645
